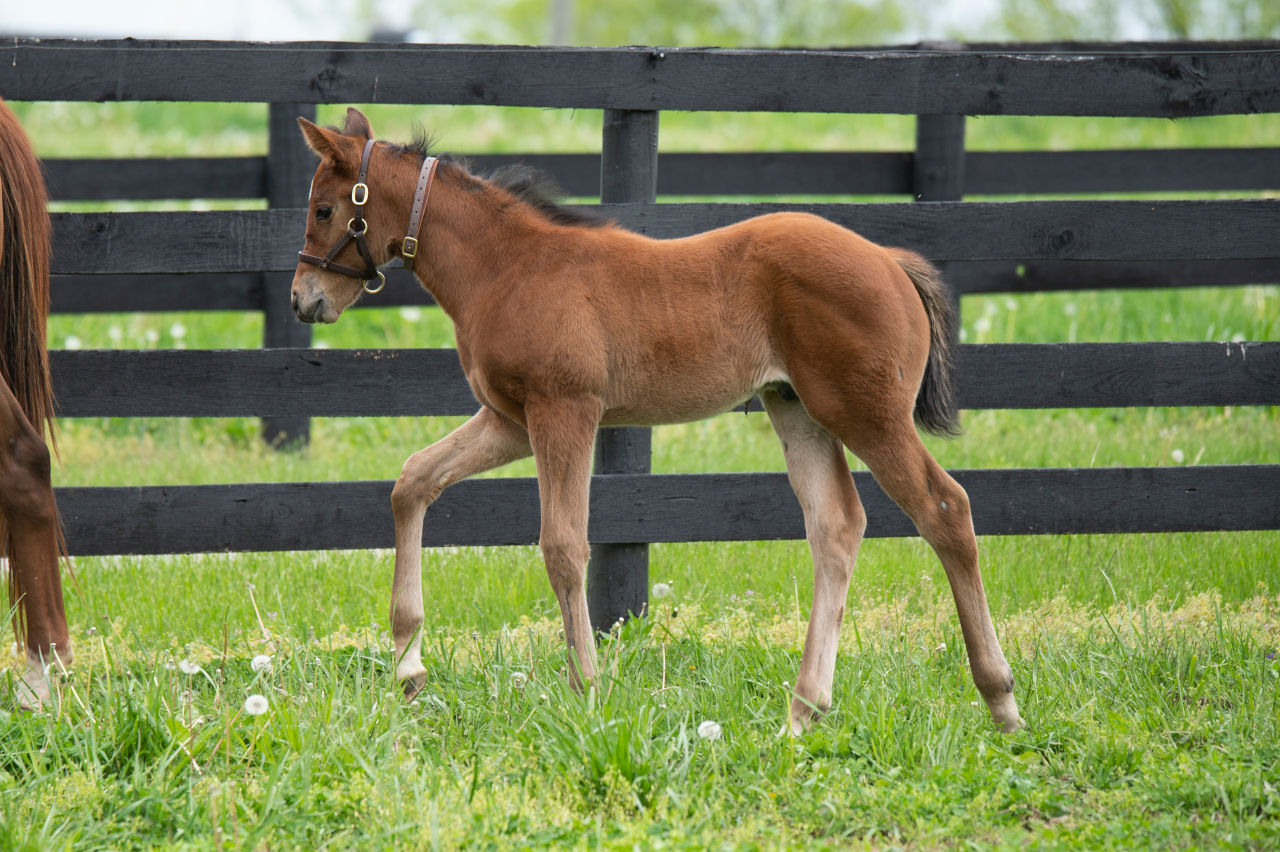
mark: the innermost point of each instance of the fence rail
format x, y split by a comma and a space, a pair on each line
240, 260
1174, 83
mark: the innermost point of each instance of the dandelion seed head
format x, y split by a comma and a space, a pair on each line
188, 668
660, 591
256, 705
261, 663
1177, 456
519, 680
709, 730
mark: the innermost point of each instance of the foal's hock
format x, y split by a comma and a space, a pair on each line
565, 323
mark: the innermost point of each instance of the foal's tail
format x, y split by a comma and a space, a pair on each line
24, 298
935, 404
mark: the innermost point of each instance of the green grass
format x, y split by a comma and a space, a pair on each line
1146, 664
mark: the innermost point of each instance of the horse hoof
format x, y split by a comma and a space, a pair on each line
32, 690
412, 685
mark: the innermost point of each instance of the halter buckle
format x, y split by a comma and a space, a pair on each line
409, 247
360, 193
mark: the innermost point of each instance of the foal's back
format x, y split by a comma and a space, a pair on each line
692, 327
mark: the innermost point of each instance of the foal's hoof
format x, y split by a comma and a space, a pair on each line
32, 690
412, 685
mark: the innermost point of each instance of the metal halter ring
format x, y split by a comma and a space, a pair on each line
364, 226
382, 282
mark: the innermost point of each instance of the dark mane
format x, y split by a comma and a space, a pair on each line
533, 187
540, 191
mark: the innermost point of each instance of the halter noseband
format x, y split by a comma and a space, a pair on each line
357, 227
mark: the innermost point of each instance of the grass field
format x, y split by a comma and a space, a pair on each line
1146, 665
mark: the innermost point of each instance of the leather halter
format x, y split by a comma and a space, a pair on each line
357, 227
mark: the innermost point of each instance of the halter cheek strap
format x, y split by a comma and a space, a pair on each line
357, 227
426, 175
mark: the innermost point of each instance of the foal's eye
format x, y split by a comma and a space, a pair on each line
323, 213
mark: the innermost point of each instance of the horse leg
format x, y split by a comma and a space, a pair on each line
486, 441
562, 432
834, 523
28, 510
939, 508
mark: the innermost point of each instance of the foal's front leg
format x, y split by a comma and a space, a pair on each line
484, 442
563, 432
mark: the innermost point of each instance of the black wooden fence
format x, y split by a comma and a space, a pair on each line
241, 259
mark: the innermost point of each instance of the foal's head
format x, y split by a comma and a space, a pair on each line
350, 231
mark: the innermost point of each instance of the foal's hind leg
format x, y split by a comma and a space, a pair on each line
484, 442
27, 508
939, 507
834, 522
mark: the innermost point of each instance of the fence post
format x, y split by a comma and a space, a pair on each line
290, 165
938, 170
618, 574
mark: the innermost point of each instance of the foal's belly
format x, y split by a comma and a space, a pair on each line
681, 399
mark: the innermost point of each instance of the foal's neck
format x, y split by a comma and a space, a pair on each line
473, 237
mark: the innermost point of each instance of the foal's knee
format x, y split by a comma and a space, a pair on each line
28, 491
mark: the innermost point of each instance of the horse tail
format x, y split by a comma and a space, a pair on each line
935, 409
24, 298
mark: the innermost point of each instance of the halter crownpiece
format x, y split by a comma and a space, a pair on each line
357, 227
409, 245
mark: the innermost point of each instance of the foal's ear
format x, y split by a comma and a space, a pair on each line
357, 125
323, 142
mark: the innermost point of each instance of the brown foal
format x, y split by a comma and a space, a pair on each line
565, 324
30, 535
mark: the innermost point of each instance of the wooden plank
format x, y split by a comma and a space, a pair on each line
428, 382
268, 240
1146, 170
1106, 375
669, 508
1050, 275
242, 291
138, 179
735, 173
1175, 83
121, 293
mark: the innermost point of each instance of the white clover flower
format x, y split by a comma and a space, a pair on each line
709, 730
188, 668
660, 591
519, 680
261, 663
256, 705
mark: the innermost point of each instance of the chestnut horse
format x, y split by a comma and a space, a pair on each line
565, 324
30, 534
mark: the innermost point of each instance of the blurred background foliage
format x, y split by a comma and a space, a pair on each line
811, 23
